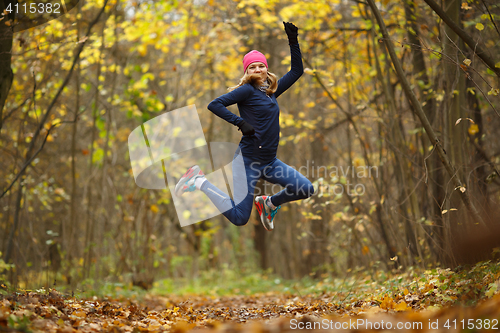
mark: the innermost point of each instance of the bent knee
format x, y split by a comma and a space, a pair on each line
239, 222
240, 219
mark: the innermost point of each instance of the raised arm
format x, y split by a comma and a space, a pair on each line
296, 60
294, 73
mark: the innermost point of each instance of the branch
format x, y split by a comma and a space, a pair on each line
417, 108
28, 157
348, 118
462, 68
358, 112
393, 25
327, 91
464, 36
484, 156
491, 17
27, 164
20, 173
15, 109
45, 80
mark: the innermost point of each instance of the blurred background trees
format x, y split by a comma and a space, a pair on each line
70, 210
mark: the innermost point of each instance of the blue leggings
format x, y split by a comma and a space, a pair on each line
246, 173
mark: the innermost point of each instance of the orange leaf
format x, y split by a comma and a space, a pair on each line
401, 306
387, 303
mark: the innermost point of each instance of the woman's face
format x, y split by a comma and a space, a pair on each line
258, 68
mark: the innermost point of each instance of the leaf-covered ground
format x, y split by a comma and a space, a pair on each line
434, 301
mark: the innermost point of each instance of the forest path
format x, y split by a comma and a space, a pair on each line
271, 312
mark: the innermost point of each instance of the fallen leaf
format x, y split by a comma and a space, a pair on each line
402, 306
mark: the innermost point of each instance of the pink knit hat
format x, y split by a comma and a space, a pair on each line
253, 56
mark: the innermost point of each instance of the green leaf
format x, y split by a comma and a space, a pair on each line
368, 24
492, 289
494, 92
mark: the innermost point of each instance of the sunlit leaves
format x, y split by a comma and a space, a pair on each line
473, 129
310, 14
466, 6
494, 92
336, 300
389, 304
493, 288
142, 49
154, 208
311, 104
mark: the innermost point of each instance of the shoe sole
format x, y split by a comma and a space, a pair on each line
190, 173
261, 201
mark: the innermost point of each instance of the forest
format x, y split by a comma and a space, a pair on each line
393, 121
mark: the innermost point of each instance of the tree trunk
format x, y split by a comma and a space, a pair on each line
451, 23
435, 190
417, 108
454, 87
479, 157
92, 212
69, 240
400, 165
434, 173
6, 74
13, 230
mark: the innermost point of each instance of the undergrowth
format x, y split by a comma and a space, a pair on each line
434, 287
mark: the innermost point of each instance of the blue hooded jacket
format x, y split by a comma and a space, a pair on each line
259, 110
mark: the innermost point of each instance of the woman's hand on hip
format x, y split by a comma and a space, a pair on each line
246, 128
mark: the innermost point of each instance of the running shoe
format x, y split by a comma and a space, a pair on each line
266, 213
186, 183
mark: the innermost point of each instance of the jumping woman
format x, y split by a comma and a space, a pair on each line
255, 96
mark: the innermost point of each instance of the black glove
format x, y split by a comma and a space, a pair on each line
292, 32
246, 128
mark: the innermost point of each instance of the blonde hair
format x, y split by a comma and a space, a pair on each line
254, 80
